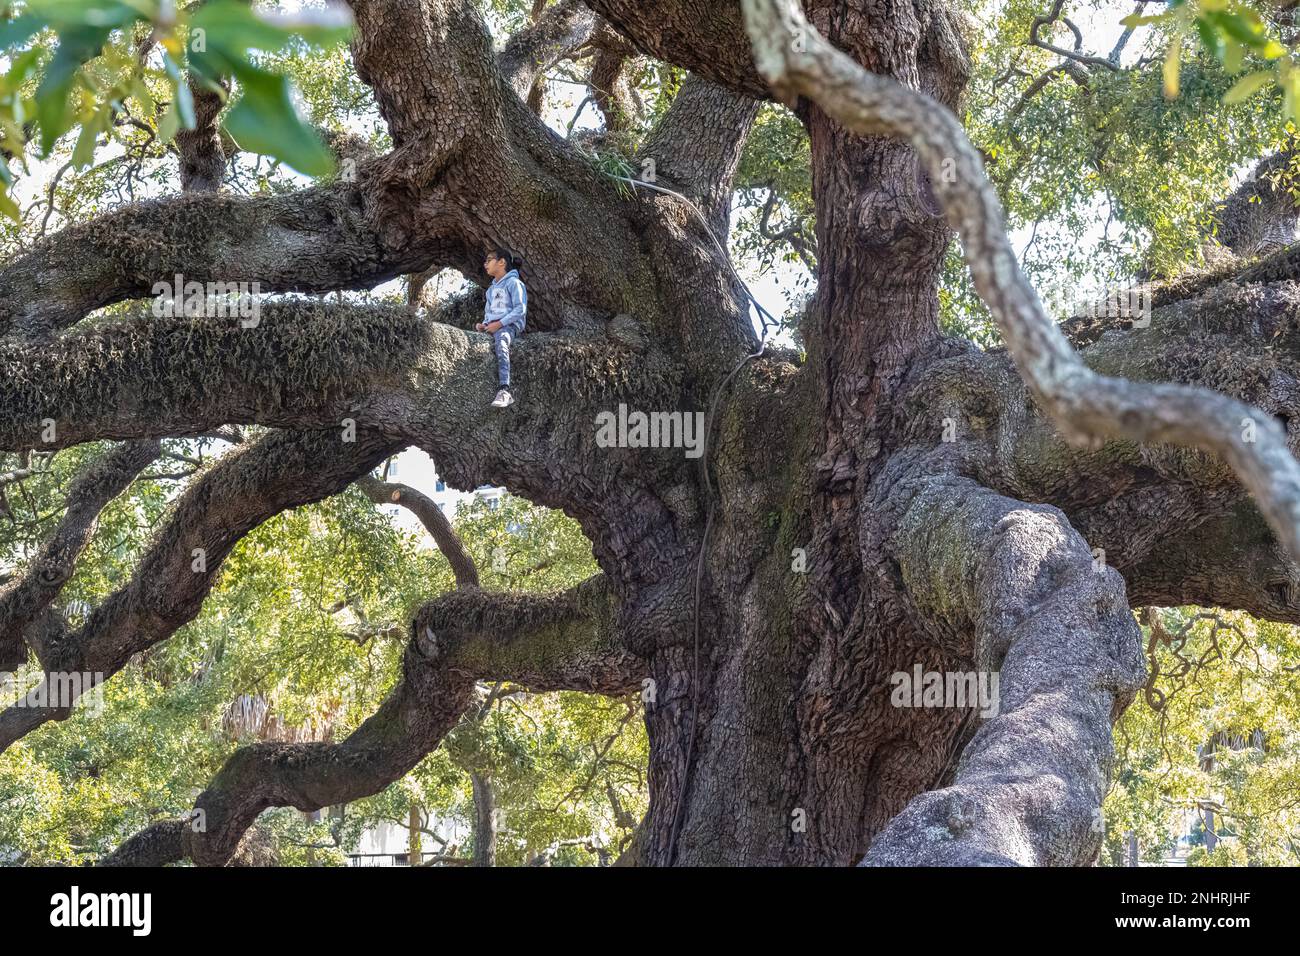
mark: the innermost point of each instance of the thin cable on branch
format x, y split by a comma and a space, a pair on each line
710, 503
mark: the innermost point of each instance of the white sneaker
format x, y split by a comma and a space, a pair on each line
503, 399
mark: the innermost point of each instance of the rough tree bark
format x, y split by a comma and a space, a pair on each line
898, 499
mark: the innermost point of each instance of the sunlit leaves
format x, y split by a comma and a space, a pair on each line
1108, 179
1229, 30
1227, 685
1247, 86
90, 62
263, 122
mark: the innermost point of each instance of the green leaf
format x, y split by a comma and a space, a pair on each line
1171, 67
9, 208
265, 121
140, 92
184, 97
19, 30
168, 124
1211, 39
1237, 27
1248, 86
76, 46
84, 152
1135, 20
100, 14
236, 27
229, 29
23, 66
1232, 55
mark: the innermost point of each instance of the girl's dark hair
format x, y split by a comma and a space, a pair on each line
506, 256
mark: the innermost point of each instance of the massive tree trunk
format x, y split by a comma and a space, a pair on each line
896, 502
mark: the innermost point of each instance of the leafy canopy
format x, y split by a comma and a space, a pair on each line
91, 66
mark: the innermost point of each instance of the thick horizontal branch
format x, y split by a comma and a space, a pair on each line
705, 38
303, 364
1257, 298
240, 491
564, 641
1141, 504
1013, 589
315, 240
1233, 561
313, 365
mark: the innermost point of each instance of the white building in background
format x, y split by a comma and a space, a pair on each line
388, 844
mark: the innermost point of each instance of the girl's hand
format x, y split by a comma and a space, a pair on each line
479, 327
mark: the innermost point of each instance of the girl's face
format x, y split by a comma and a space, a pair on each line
494, 267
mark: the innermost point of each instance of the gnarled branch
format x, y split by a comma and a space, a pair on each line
547, 643
315, 240
1013, 589
31, 593
1086, 406
242, 490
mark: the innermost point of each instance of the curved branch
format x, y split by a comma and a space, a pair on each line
1068, 68
611, 93
424, 705
1012, 588
1076, 55
547, 642
435, 522
1085, 405
243, 489
27, 596
1177, 524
